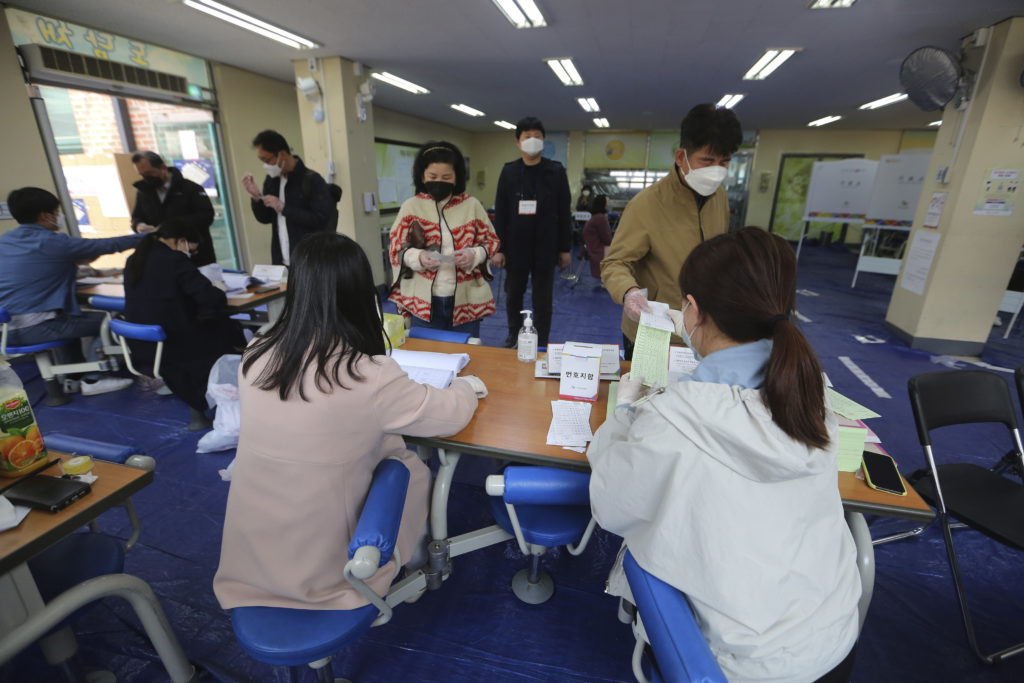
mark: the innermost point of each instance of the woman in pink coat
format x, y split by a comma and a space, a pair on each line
597, 234
322, 405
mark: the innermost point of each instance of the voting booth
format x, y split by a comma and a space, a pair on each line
890, 214
839, 191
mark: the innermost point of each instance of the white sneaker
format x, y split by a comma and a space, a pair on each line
103, 386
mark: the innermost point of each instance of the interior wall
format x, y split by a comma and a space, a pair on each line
250, 103
772, 144
19, 136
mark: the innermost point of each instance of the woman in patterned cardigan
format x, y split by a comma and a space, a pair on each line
440, 244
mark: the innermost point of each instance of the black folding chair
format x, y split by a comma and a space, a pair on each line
981, 498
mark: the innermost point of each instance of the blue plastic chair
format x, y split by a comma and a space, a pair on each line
542, 507
297, 637
438, 335
47, 370
666, 621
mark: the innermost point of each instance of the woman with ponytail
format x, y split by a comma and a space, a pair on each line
163, 287
724, 485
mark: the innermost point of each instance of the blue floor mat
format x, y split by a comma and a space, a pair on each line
474, 628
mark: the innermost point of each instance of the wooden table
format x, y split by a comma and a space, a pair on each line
512, 424
237, 305
40, 529
24, 617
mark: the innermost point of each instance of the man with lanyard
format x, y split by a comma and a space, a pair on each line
295, 200
663, 223
533, 220
164, 193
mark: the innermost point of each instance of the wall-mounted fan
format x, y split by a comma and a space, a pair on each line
931, 77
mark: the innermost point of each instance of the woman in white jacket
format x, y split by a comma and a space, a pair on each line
725, 485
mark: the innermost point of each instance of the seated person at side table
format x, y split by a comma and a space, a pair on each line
441, 265
38, 263
725, 485
597, 234
321, 406
162, 286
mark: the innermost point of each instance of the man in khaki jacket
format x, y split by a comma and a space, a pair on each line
661, 225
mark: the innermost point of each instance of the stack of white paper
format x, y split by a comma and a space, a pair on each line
426, 367
570, 425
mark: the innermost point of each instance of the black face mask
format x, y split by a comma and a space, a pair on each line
153, 181
439, 189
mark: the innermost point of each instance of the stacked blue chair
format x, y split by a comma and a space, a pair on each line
110, 305
543, 507
298, 637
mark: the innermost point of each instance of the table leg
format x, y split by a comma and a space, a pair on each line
439, 496
274, 309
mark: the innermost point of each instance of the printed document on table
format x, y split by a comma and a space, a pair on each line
426, 367
570, 424
681, 362
435, 377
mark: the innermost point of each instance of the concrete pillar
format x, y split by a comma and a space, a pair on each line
346, 136
975, 254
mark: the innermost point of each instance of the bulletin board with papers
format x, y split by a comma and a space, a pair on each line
394, 173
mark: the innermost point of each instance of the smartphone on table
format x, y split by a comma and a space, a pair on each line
881, 474
268, 288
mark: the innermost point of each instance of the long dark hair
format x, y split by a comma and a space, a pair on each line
440, 152
599, 204
171, 228
745, 282
331, 314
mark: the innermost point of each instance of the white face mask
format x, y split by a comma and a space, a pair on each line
705, 180
184, 250
532, 146
273, 170
61, 223
586, 193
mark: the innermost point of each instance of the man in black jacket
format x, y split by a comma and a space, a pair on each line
533, 221
295, 200
163, 193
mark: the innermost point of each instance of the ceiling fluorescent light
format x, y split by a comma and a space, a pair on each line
565, 70
589, 104
831, 4
250, 23
531, 10
729, 101
521, 13
593, 104
601, 123
469, 111
935, 123
505, 124
394, 80
771, 60
891, 99
824, 121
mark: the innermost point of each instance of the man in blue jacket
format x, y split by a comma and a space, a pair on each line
534, 224
38, 264
294, 200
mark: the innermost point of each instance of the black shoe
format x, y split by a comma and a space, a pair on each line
510, 341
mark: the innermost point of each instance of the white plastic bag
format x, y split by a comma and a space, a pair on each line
222, 391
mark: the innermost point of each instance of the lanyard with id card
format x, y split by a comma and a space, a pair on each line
527, 207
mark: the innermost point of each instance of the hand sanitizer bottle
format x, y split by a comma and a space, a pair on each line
527, 345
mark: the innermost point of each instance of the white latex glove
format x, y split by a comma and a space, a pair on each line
630, 389
429, 260
143, 228
677, 320
635, 303
478, 384
464, 258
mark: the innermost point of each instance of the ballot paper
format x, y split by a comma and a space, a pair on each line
98, 280
651, 347
426, 367
850, 447
570, 424
849, 408
213, 272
